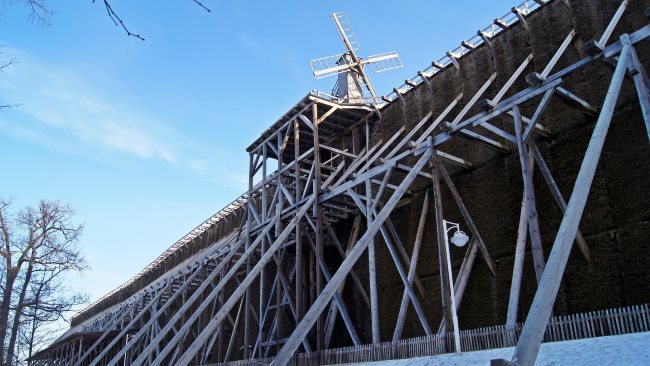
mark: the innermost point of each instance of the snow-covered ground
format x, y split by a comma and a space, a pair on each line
628, 349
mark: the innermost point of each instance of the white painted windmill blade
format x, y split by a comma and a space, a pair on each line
330, 65
345, 30
383, 61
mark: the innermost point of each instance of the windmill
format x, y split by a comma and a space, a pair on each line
353, 84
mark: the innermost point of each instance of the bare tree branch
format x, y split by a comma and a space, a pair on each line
203, 6
3, 66
40, 13
118, 21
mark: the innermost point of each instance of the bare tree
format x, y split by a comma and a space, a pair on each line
39, 246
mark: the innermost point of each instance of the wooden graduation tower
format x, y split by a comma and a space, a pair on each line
265, 280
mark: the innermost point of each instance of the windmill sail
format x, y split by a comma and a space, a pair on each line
345, 30
384, 61
328, 66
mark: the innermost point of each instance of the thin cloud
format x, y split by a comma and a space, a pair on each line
65, 112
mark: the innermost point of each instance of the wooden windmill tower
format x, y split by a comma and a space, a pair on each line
353, 84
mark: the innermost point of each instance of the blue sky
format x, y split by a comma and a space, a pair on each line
146, 139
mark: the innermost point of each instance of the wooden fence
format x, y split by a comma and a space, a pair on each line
600, 323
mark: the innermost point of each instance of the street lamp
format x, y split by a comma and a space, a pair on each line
459, 239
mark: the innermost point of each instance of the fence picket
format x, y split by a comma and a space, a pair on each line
625, 320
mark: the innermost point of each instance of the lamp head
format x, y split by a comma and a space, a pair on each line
459, 239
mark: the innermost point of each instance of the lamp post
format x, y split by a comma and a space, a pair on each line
459, 239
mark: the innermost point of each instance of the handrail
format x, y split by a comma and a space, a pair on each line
508, 20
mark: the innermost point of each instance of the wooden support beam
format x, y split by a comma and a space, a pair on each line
404, 254
372, 270
474, 99
538, 113
521, 18
468, 219
535, 325
400, 96
555, 191
612, 24
327, 114
556, 57
401, 318
445, 297
642, 86
380, 152
484, 140
317, 213
518, 266
298, 234
306, 121
438, 119
453, 59
529, 190
463, 277
427, 82
515, 75
498, 22
576, 100
465, 164
437, 65
468, 45
485, 38
408, 136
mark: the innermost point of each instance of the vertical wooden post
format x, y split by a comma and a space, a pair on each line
317, 213
299, 258
279, 310
529, 192
535, 325
372, 270
517, 268
248, 242
440, 232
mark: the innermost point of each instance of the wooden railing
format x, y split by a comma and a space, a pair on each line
600, 323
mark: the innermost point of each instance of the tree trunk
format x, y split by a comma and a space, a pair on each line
19, 310
4, 309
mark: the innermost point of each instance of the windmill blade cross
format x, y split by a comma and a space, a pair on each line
352, 79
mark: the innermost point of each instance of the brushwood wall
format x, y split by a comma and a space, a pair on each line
616, 219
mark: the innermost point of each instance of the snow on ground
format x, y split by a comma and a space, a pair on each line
627, 349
